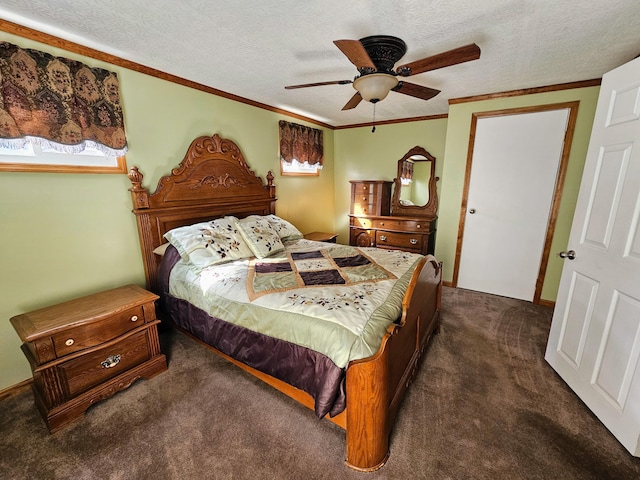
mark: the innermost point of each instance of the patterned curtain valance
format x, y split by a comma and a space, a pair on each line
300, 143
59, 103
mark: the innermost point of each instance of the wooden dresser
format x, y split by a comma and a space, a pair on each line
370, 197
87, 349
401, 233
383, 214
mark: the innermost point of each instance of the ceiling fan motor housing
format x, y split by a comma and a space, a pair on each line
384, 51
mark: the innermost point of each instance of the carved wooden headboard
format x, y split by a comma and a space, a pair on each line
213, 180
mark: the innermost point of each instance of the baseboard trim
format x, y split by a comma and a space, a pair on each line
15, 389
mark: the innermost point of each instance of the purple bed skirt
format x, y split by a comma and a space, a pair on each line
301, 367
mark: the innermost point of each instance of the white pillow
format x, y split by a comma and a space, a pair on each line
161, 249
262, 239
209, 243
285, 230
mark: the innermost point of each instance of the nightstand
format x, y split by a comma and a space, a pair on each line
85, 350
322, 237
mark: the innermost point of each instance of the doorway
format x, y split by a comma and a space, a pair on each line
513, 183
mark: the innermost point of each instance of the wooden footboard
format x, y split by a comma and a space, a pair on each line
376, 385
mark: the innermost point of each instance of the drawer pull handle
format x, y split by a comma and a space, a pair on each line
383, 238
111, 361
418, 226
382, 224
413, 241
134, 318
69, 342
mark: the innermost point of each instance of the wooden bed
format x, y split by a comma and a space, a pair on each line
213, 180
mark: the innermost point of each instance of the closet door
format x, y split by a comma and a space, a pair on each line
514, 168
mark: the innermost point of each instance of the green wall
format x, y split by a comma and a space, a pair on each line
67, 235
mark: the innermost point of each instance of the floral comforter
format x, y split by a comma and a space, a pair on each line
334, 299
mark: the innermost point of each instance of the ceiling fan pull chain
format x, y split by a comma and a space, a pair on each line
374, 118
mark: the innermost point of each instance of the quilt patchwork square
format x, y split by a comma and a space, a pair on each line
313, 264
306, 255
322, 277
353, 261
364, 273
272, 267
274, 282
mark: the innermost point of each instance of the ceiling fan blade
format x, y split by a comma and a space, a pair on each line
418, 91
353, 103
445, 59
356, 53
318, 84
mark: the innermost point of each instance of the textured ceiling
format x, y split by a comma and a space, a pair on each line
253, 48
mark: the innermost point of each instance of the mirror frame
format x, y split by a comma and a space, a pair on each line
428, 210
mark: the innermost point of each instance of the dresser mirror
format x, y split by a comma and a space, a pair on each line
414, 191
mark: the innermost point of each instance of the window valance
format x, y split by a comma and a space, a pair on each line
300, 143
58, 103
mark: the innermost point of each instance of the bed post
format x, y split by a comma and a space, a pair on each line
271, 188
140, 200
139, 194
367, 433
376, 385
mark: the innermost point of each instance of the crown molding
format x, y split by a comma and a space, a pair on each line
528, 91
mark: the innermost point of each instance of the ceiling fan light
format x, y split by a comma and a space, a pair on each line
375, 86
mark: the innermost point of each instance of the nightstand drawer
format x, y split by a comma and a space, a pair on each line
91, 369
86, 336
407, 241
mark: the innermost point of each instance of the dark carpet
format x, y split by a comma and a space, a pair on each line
484, 405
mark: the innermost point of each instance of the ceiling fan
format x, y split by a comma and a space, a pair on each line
375, 57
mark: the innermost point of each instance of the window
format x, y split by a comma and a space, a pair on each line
301, 149
58, 114
294, 167
34, 157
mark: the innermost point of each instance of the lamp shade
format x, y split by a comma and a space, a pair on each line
375, 86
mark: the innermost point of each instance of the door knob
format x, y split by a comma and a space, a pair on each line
472, 211
569, 254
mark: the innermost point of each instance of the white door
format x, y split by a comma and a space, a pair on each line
513, 175
594, 342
